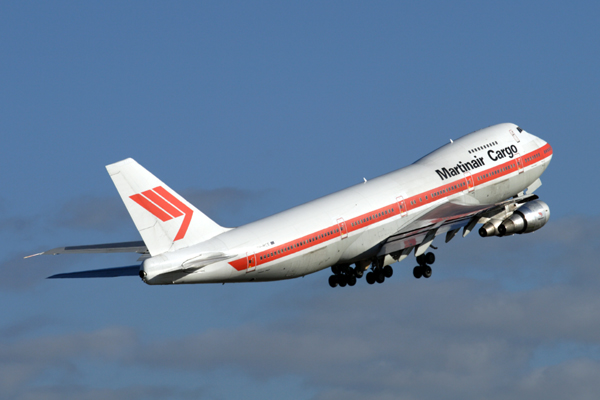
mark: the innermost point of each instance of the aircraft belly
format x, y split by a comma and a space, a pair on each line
365, 244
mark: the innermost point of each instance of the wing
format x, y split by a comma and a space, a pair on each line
132, 270
448, 218
122, 247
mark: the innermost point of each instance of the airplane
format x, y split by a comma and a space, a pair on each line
485, 177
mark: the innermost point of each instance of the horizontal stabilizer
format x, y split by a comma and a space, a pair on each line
122, 247
132, 270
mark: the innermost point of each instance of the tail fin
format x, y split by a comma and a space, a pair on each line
165, 220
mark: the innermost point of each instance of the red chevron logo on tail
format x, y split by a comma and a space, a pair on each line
164, 206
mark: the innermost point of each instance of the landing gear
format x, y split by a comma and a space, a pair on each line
424, 270
370, 278
388, 271
379, 273
417, 272
427, 271
344, 275
379, 276
333, 281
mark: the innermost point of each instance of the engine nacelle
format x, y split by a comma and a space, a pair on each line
490, 228
528, 218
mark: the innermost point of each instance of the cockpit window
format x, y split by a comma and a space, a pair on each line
520, 130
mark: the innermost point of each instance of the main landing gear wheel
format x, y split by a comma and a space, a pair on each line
358, 272
370, 278
388, 271
423, 269
344, 275
417, 272
429, 258
426, 271
333, 281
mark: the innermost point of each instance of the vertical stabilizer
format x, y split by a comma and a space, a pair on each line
165, 220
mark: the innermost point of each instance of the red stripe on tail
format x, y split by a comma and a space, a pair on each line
151, 207
168, 207
186, 210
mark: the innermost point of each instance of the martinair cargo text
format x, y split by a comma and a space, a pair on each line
486, 177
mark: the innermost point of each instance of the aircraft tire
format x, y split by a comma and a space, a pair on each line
351, 280
430, 258
421, 260
333, 281
427, 271
358, 272
380, 277
370, 278
388, 271
417, 272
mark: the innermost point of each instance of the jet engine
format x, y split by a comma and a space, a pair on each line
490, 228
528, 218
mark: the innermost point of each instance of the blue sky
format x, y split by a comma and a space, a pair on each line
248, 109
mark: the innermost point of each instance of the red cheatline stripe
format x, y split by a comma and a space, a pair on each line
186, 210
159, 201
153, 209
367, 219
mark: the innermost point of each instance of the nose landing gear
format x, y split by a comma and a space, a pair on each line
423, 269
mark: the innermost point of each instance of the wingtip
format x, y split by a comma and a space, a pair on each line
33, 255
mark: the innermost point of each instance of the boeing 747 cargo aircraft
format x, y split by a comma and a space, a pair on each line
486, 177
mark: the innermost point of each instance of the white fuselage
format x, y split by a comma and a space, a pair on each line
479, 169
